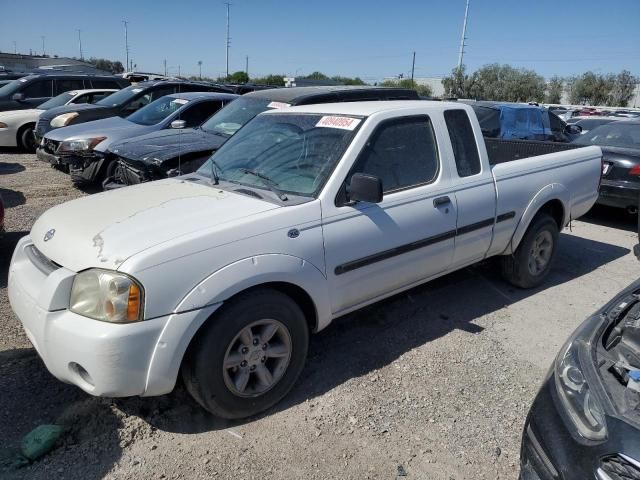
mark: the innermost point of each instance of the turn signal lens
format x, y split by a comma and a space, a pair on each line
133, 306
635, 170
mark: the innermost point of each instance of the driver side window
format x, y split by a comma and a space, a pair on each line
401, 152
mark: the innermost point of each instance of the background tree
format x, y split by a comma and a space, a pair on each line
623, 86
424, 90
276, 80
106, 65
316, 76
238, 77
348, 80
555, 87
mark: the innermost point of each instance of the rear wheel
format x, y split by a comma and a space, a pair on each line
249, 355
531, 262
27, 139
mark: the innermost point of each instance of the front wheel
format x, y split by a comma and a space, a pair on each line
28, 139
531, 262
249, 355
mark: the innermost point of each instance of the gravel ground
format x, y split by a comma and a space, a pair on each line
434, 383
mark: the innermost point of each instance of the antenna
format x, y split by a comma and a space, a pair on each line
464, 37
228, 43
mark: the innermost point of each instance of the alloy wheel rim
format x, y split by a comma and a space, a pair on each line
257, 358
540, 253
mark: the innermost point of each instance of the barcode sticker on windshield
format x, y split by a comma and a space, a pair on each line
278, 105
180, 101
344, 123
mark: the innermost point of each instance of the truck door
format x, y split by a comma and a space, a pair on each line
474, 190
374, 249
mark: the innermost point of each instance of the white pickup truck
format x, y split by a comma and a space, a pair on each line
304, 215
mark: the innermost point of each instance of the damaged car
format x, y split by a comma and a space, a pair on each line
82, 149
166, 153
585, 420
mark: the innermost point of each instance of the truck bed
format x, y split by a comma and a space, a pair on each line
501, 150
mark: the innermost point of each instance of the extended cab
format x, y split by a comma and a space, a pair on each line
304, 215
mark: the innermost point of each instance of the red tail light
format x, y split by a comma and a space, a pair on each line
635, 170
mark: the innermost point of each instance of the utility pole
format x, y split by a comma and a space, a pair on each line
80, 44
15, 48
42, 37
165, 67
464, 37
228, 43
126, 41
200, 69
413, 68
178, 70
246, 66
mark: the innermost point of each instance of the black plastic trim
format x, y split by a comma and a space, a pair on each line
409, 247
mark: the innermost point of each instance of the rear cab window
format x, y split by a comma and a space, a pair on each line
463, 142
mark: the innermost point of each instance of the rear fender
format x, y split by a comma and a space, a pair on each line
554, 191
259, 270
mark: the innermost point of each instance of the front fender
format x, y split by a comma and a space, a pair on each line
554, 191
259, 270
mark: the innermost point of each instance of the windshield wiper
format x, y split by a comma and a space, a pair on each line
271, 185
215, 170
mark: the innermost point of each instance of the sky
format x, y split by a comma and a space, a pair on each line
370, 39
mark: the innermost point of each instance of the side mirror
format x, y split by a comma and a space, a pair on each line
18, 97
365, 188
573, 129
178, 124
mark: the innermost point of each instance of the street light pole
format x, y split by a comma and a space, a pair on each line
200, 69
80, 44
228, 39
126, 41
464, 37
42, 37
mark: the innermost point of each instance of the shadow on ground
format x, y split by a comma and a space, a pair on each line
12, 198
7, 168
612, 217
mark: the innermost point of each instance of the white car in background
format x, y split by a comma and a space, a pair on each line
16, 127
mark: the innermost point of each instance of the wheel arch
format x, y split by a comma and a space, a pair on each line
554, 200
21, 130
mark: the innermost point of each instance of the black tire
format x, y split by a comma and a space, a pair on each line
26, 138
202, 368
516, 268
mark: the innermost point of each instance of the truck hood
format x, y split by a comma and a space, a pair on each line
163, 145
105, 229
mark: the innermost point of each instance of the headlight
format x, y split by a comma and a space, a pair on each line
107, 296
79, 144
63, 120
577, 397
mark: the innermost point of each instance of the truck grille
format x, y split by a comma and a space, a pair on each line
619, 467
41, 262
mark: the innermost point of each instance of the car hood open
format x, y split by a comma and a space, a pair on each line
105, 229
163, 145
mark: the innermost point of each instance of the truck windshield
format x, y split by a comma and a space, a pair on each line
157, 111
614, 134
229, 120
295, 152
58, 101
120, 97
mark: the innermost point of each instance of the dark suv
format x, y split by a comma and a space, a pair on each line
120, 104
169, 152
32, 90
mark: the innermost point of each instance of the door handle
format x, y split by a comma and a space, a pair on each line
437, 202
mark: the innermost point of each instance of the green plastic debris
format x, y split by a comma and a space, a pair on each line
40, 440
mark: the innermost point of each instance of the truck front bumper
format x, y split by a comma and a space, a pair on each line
103, 359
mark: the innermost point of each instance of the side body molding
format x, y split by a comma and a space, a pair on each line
553, 191
258, 270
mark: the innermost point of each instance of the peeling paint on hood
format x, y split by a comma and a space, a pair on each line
105, 229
